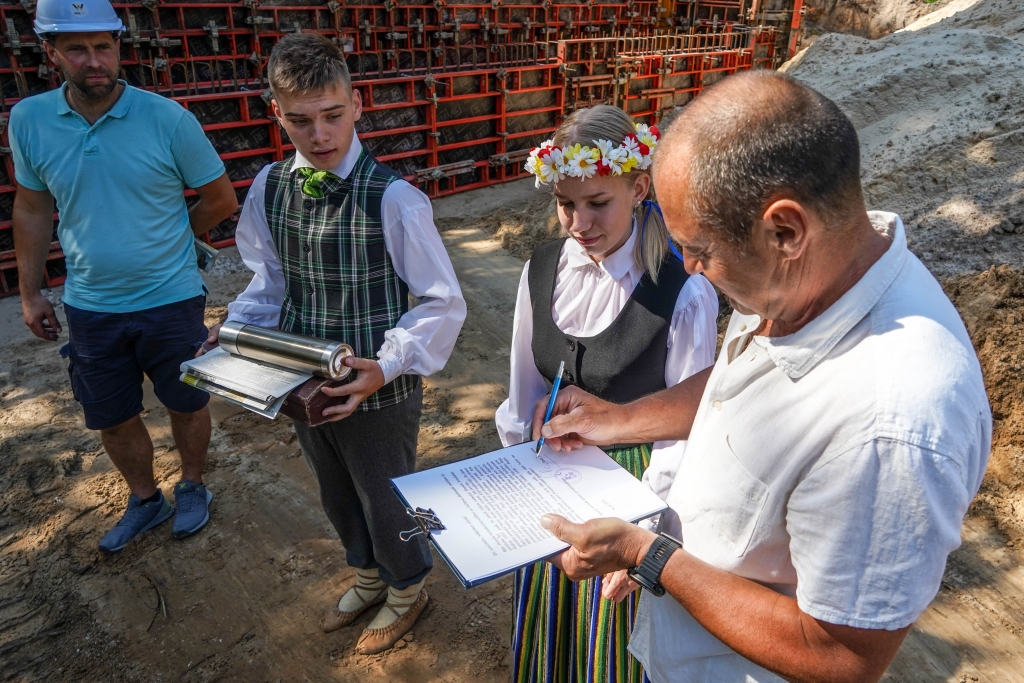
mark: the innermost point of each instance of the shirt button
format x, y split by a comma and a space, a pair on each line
717, 405
306, 249
309, 289
308, 204
568, 377
571, 344
743, 327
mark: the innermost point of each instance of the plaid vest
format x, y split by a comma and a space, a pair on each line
340, 283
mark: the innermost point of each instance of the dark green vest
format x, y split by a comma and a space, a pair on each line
340, 283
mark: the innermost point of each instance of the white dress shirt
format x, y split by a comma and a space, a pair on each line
587, 298
833, 465
424, 337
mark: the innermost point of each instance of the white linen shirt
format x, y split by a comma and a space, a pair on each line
424, 337
587, 298
833, 465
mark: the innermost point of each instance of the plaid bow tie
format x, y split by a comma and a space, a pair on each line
311, 186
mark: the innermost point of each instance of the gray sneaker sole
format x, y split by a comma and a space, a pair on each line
185, 534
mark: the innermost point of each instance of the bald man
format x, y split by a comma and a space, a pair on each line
836, 444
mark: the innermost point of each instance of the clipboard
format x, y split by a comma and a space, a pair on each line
468, 532
426, 522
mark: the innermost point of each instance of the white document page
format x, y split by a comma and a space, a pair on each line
260, 380
491, 505
266, 409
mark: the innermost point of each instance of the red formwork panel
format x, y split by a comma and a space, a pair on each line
699, 13
24, 68
241, 129
647, 76
187, 48
445, 132
455, 93
54, 271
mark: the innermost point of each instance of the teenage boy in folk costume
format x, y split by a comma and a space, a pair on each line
613, 301
337, 242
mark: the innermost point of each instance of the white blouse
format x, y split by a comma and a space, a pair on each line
588, 297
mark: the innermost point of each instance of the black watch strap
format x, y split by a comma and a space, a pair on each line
648, 573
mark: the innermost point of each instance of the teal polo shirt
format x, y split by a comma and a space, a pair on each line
118, 185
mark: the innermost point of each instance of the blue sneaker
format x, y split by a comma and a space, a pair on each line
193, 501
137, 519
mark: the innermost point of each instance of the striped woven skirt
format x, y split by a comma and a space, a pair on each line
565, 632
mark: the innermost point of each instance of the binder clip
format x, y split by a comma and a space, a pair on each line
426, 521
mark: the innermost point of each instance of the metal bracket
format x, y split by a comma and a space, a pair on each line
508, 158
445, 170
367, 30
134, 36
165, 42
13, 38
214, 32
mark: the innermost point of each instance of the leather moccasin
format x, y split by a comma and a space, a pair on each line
333, 619
376, 640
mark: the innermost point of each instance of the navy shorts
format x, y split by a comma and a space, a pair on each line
109, 352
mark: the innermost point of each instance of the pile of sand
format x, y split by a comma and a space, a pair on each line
992, 306
865, 18
939, 108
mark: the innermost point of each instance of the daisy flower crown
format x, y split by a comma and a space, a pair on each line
549, 163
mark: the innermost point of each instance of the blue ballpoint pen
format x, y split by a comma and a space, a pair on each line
551, 402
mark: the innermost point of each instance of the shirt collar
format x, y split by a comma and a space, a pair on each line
118, 111
348, 162
797, 354
617, 265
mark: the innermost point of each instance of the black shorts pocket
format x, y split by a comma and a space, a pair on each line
67, 352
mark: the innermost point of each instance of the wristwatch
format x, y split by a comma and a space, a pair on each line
648, 573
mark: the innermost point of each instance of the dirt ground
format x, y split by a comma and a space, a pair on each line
240, 601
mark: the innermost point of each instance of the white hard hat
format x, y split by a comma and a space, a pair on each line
76, 16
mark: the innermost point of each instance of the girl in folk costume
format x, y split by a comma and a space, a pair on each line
613, 301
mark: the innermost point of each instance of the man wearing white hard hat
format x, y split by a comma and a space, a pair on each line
117, 160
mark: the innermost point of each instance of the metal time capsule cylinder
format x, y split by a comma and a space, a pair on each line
319, 356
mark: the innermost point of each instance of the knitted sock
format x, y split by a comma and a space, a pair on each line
399, 599
367, 588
